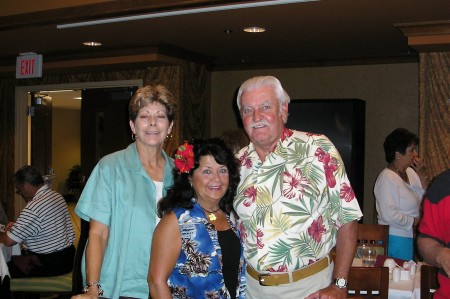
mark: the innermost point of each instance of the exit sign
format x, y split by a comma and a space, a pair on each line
29, 66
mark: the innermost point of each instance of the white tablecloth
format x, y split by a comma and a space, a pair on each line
403, 289
5, 256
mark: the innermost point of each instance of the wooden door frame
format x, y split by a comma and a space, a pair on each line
21, 126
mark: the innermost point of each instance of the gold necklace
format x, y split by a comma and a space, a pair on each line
211, 215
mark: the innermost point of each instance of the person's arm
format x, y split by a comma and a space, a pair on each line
434, 253
166, 248
345, 251
95, 250
4, 238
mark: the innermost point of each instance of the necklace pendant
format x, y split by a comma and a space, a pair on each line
212, 217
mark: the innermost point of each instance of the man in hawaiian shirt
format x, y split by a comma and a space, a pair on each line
294, 201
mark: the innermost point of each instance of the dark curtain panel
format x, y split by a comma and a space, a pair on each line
434, 112
7, 115
187, 82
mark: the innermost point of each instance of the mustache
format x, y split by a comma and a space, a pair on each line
253, 125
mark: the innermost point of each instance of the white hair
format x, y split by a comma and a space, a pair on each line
260, 81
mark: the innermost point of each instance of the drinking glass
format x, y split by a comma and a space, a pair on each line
359, 250
369, 256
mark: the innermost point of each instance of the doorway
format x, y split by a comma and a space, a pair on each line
23, 145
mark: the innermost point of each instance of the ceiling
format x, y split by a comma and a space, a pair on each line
327, 32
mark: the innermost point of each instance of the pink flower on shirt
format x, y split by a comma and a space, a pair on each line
245, 161
317, 229
347, 192
286, 133
320, 154
294, 185
281, 268
259, 235
243, 231
330, 166
250, 196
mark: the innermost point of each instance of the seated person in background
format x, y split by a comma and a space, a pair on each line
434, 231
43, 227
196, 251
398, 191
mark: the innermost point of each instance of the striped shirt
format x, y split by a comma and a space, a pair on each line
44, 225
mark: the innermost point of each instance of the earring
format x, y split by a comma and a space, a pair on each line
133, 136
169, 136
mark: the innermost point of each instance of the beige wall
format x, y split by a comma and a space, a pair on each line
65, 144
391, 93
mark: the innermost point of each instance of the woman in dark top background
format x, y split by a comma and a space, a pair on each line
196, 250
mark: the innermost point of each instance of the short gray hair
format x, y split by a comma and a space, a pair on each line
260, 81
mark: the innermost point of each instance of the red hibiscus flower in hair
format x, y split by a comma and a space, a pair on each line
184, 158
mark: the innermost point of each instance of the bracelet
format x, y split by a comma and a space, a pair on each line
93, 283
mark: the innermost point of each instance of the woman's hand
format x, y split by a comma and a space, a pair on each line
417, 164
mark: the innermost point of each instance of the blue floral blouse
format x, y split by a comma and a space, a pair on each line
198, 270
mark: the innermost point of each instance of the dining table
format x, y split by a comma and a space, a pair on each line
403, 289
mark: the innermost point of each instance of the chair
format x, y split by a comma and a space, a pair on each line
428, 281
368, 282
377, 234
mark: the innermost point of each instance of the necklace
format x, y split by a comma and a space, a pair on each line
211, 215
401, 174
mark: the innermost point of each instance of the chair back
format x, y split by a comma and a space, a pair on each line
368, 282
428, 281
374, 233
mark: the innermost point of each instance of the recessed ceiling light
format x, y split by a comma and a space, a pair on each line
92, 44
254, 29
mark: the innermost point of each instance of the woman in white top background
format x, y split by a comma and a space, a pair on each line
398, 192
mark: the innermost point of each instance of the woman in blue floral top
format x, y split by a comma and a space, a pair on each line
196, 249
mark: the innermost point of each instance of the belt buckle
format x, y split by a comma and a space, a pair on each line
261, 278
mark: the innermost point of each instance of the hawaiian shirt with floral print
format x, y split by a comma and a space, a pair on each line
292, 204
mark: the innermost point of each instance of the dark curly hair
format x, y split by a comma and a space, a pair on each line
182, 192
398, 141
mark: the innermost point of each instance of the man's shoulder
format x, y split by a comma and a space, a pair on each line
307, 137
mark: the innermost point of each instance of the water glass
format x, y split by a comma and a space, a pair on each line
359, 250
369, 256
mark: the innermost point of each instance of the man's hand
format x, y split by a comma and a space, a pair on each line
330, 292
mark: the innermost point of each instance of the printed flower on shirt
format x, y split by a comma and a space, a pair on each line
347, 192
259, 235
250, 196
320, 154
245, 161
286, 133
294, 185
317, 229
330, 166
281, 268
243, 231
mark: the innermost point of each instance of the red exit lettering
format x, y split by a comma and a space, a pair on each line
27, 67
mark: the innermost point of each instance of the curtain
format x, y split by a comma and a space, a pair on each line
434, 111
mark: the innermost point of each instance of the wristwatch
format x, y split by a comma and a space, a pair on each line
341, 282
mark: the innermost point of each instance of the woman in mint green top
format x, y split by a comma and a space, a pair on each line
120, 201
